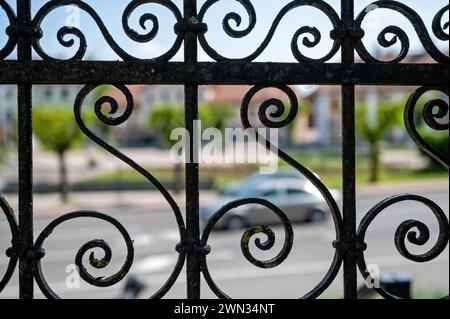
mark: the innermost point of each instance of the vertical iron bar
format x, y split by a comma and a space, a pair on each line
25, 149
192, 166
348, 159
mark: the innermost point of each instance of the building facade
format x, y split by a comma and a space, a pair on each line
43, 95
326, 105
319, 126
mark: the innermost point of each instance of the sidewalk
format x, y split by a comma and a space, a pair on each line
152, 201
145, 201
430, 186
79, 163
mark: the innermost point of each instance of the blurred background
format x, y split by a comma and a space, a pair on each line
71, 172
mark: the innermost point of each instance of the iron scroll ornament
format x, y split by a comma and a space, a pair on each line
405, 231
433, 111
11, 30
13, 252
430, 118
337, 34
131, 33
94, 262
399, 35
268, 117
112, 119
245, 241
301, 32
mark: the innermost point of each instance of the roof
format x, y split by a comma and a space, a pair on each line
423, 58
234, 94
213, 94
135, 90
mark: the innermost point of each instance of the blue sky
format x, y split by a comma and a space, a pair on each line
279, 49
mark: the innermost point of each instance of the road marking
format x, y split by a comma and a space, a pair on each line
154, 264
142, 240
170, 235
239, 274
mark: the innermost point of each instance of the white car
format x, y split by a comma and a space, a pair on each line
298, 198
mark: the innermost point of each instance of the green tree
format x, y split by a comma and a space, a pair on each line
2, 151
57, 130
217, 115
374, 130
438, 140
3, 145
165, 118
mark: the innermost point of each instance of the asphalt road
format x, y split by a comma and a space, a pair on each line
155, 237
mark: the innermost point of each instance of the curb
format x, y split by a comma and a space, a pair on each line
46, 205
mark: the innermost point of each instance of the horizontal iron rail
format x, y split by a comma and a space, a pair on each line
232, 73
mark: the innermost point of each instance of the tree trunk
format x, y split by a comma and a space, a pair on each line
374, 162
177, 178
63, 183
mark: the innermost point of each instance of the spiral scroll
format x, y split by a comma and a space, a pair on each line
96, 263
245, 241
400, 35
12, 252
271, 118
439, 27
12, 36
430, 118
106, 109
405, 232
112, 118
132, 34
248, 6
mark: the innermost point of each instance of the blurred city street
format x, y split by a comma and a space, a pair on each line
155, 235
204, 149
80, 168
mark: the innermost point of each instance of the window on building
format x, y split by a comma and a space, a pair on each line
65, 93
150, 98
48, 93
361, 99
180, 96
201, 94
165, 96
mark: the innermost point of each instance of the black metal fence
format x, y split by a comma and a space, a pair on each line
24, 34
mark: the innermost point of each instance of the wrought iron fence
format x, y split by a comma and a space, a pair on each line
24, 33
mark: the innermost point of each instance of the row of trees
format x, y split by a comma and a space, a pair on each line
165, 118
373, 129
57, 131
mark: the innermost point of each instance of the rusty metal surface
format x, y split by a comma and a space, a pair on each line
25, 32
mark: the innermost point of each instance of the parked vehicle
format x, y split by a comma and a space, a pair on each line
297, 197
233, 189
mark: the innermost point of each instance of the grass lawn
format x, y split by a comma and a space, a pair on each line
222, 175
327, 164
218, 176
390, 177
